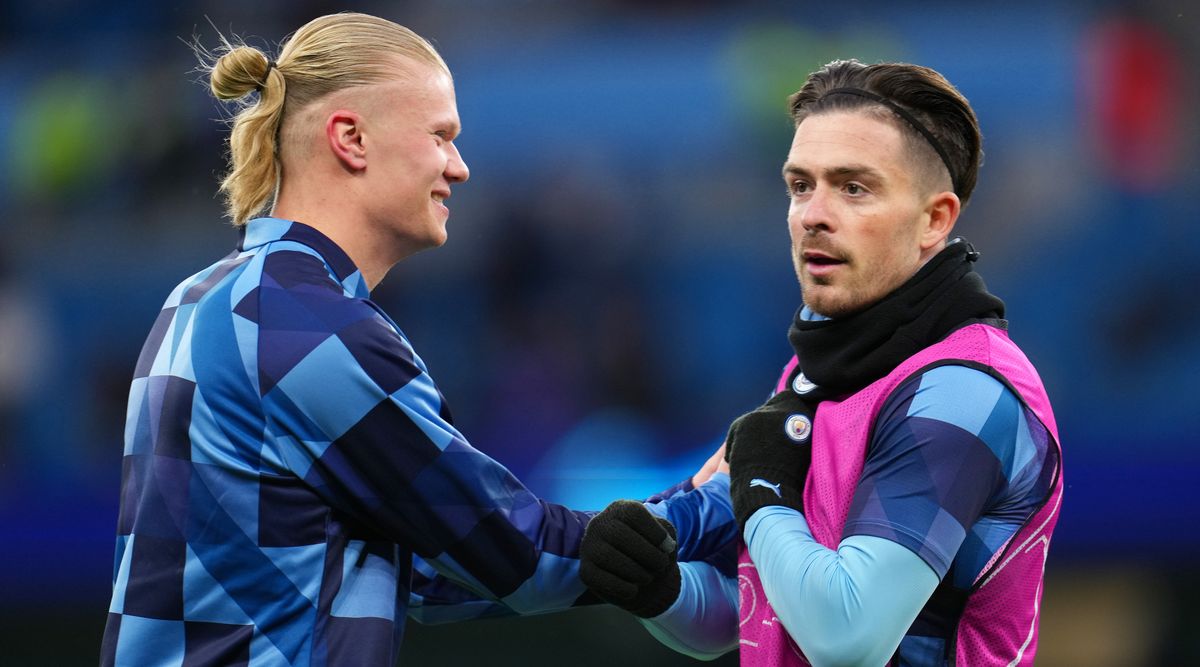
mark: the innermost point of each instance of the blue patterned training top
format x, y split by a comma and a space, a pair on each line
286, 455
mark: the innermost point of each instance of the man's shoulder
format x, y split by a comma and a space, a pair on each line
960, 395
957, 383
300, 313
289, 264
955, 401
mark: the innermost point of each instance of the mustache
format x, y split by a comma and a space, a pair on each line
822, 245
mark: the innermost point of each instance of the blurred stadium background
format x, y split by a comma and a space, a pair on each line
617, 285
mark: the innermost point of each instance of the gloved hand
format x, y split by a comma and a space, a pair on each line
627, 558
769, 452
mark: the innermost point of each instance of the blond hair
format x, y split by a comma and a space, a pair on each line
327, 54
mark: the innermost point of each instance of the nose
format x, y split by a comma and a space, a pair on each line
815, 213
456, 168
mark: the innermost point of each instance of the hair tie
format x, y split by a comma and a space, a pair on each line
263, 84
937, 145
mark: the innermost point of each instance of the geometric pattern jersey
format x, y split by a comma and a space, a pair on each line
954, 457
286, 455
706, 532
956, 467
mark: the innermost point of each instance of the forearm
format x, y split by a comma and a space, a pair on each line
433, 612
435, 599
703, 520
703, 621
550, 583
849, 606
407, 473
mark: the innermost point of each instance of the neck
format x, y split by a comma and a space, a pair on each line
345, 224
848, 353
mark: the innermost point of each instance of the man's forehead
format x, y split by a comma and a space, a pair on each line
845, 139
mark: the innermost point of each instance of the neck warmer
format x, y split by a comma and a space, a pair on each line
842, 355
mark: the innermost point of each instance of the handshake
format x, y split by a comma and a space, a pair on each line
627, 558
628, 555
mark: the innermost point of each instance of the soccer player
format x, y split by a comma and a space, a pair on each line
287, 454
898, 492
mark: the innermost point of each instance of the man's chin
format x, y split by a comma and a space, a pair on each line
826, 302
421, 244
816, 301
437, 236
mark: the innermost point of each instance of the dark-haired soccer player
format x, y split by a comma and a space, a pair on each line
898, 492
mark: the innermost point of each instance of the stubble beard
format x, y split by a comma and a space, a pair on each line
827, 305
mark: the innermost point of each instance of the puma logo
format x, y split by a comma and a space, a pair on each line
757, 481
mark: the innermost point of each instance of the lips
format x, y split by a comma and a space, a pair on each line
820, 263
439, 197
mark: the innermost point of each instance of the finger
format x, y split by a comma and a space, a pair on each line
613, 559
653, 529
605, 584
723, 466
732, 436
710, 466
668, 544
645, 551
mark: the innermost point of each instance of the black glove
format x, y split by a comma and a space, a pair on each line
627, 558
769, 451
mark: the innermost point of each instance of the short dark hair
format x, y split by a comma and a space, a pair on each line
923, 93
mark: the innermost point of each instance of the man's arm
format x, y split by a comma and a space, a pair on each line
703, 621
359, 419
690, 606
949, 446
434, 599
703, 521
851, 606
702, 535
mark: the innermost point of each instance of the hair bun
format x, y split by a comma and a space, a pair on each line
241, 71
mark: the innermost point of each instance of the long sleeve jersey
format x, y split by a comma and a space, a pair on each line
955, 466
702, 622
286, 455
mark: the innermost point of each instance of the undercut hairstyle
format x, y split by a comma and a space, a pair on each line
894, 91
326, 55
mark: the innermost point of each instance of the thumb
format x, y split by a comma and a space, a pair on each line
669, 544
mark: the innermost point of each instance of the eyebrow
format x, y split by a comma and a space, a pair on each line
842, 172
452, 130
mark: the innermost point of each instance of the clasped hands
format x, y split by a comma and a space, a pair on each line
628, 555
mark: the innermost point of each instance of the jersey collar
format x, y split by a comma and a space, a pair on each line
261, 231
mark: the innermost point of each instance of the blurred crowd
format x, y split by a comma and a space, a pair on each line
617, 284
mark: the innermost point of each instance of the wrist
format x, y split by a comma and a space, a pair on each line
658, 596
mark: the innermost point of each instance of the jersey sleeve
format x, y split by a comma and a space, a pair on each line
949, 446
434, 599
353, 412
682, 487
704, 523
848, 606
703, 620
705, 532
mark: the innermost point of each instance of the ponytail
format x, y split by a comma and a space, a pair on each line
250, 185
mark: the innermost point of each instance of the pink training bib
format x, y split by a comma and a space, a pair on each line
999, 623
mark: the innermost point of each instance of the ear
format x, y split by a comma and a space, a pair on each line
344, 135
943, 209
